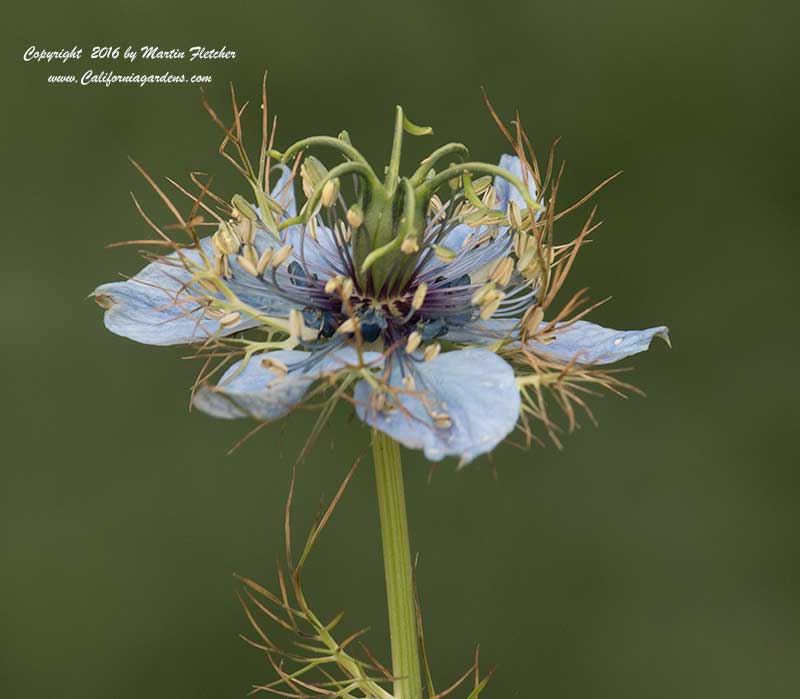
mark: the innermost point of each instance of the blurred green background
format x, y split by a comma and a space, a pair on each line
654, 557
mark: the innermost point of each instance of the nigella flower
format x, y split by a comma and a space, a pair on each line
420, 299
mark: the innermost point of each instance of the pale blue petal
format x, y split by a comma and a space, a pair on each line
483, 332
587, 343
283, 192
455, 238
474, 387
506, 191
250, 390
487, 253
156, 307
320, 256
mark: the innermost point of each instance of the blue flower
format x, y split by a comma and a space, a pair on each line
426, 314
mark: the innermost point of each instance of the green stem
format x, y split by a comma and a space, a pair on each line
397, 564
426, 189
452, 149
392, 176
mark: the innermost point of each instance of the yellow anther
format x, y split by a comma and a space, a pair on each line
441, 420
222, 267
513, 215
225, 241
501, 274
312, 172
490, 307
230, 319
532, 320
355, 216
489, 197
409, 245
276, 366
263, 261
444, 254
413, 342
419, 296
281, 255
333, 284
344, 231
330, 191
347, 288
311, 228
481, 184
208, 286
435, 207
295, 323
247, 265
480, 295
431, 351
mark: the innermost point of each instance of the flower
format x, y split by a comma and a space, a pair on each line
426, 314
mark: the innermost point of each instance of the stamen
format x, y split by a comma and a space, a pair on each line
409, 245
489, 308
481, 184
441, 420
281, 255
532, 320
208, 286
263, 261
436, 209
230, 319
329, 192
251, 253
276, 366
419, 296
480, 295
225, 241
245, 230
490, 197
344, 231
355, 216
333, 284
222, 267
247, 265
502, 271
295, 324
431, 351
444, 254
311, 228
312, 172
413, 342
347, 288
513, 215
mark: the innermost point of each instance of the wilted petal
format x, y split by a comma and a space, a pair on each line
252, 390
474, 388
587, 343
